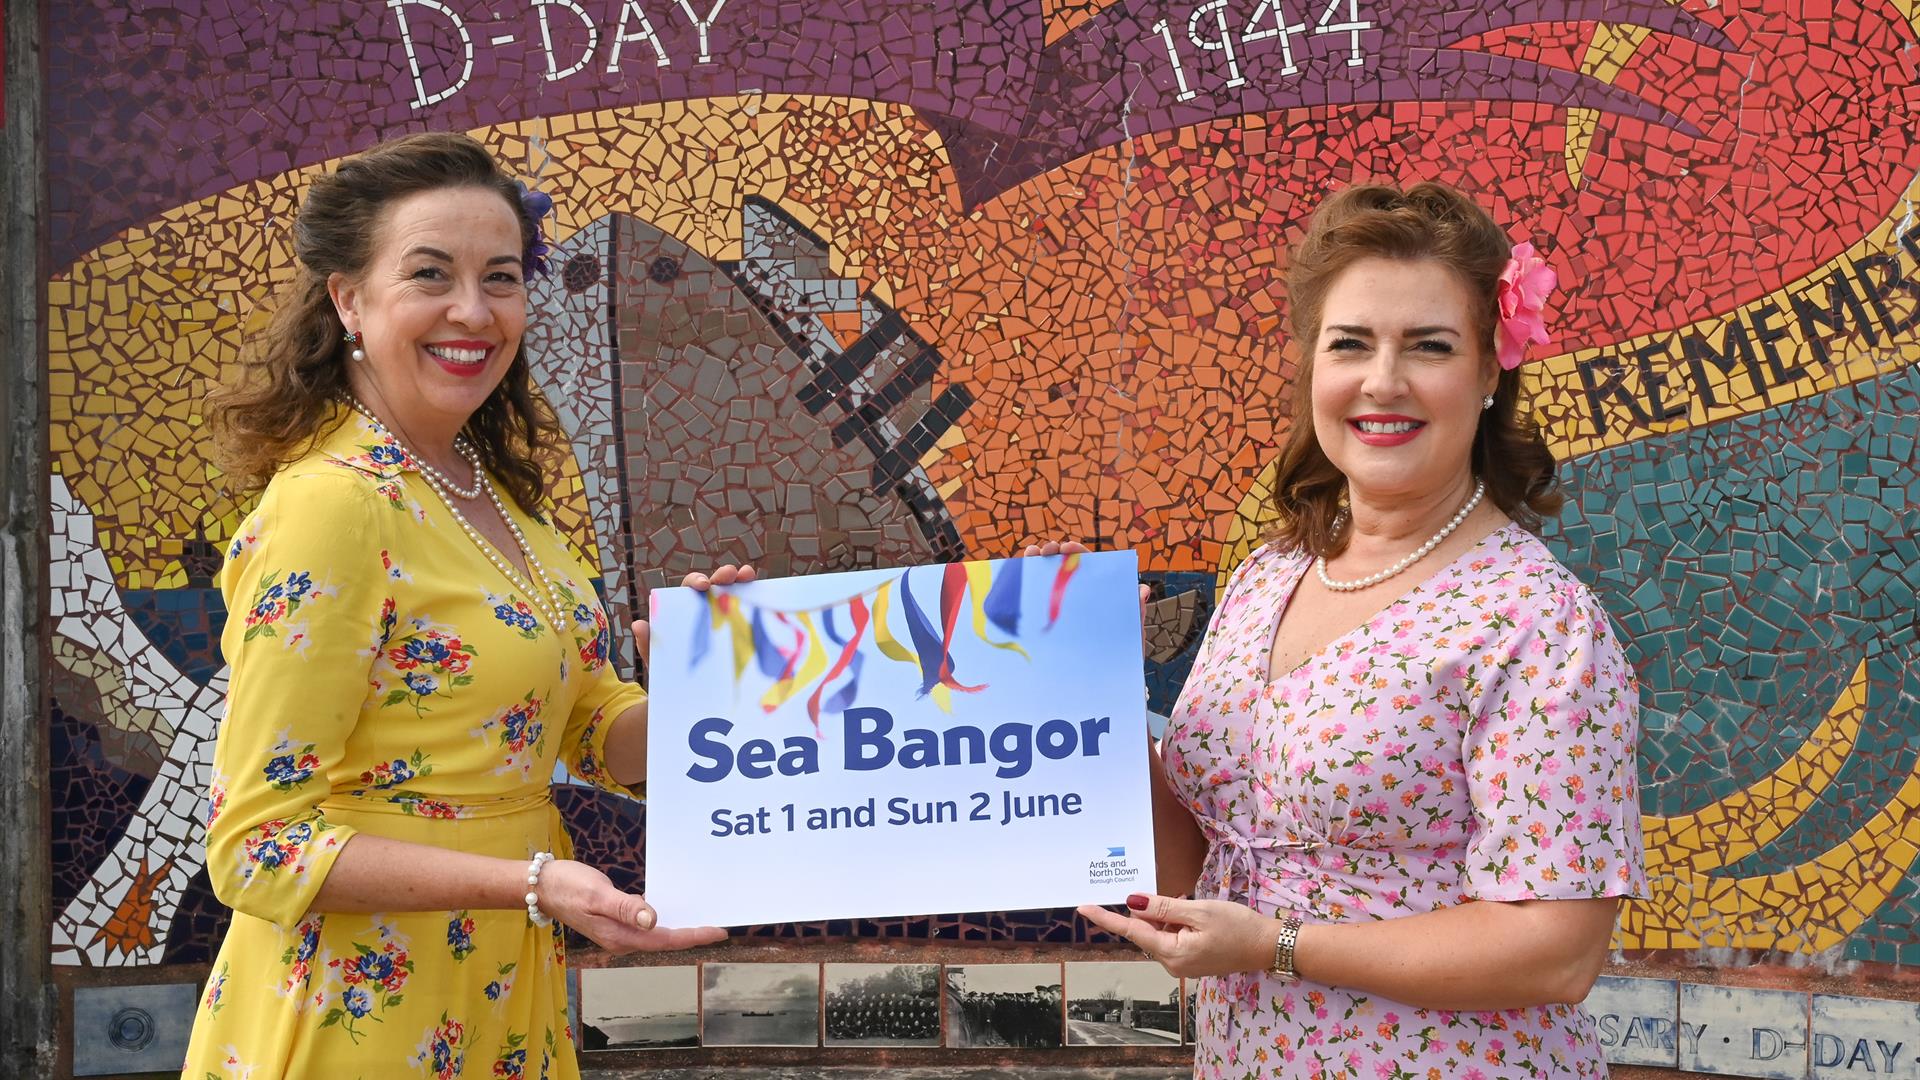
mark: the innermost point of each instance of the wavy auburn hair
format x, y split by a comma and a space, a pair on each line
1428, 221
293, 373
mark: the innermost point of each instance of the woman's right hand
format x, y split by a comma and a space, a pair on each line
1075, 547
573, 893
725, 575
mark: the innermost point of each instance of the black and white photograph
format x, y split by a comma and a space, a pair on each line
1192, 996
761, 1005
883, 1005
1122, 1003
1003, 1005
639, 1008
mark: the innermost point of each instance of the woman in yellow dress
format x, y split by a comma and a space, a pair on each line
413, 648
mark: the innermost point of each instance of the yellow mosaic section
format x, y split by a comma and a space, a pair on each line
1611, 47
1807, 908
1734, 393
688, 167
141, 328
1742, 823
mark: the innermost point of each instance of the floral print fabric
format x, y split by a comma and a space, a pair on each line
388, 679
1472, 741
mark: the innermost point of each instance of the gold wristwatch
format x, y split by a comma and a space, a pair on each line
1283, 948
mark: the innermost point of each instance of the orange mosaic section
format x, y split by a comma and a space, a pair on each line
1119, 320
1077, 370
1063, 16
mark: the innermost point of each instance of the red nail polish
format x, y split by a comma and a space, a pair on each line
1137, 902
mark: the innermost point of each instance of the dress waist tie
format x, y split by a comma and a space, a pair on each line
1231, 854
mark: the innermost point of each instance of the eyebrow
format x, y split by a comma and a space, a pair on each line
436, 253
1417, 331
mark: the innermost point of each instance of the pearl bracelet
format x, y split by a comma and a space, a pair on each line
540, 860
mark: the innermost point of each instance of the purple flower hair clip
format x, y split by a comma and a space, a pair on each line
538, 205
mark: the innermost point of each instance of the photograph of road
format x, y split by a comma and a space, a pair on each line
1122, 1003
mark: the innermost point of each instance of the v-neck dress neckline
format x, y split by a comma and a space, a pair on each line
1284, 604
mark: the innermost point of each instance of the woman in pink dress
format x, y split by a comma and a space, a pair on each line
1400, 782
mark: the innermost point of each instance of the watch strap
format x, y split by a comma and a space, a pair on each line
1283, 946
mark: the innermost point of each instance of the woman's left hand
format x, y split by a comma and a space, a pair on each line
1192, 937
725, 575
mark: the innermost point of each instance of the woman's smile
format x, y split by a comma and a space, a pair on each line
463, 358
1377, 429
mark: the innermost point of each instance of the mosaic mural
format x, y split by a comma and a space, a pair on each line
870, 284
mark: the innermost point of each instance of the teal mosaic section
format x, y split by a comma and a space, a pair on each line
1752, 566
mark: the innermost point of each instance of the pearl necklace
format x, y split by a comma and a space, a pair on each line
559, 616
545, 597
1375, 578
460, 446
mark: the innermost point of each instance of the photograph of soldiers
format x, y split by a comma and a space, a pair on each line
1119, 1003
1003, 1005
761, 1005
883, 1005
639, 1008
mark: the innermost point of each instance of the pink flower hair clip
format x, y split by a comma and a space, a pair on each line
1524, 286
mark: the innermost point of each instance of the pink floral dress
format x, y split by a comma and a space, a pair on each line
1472, 741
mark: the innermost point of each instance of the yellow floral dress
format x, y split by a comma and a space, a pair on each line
388, 678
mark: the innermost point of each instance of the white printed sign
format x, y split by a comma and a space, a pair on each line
951, 738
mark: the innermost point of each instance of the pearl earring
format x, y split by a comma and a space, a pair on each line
358, 354
1486, 402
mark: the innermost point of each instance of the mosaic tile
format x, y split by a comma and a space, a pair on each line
1017, 275
122, 913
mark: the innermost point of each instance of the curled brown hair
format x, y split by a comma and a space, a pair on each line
1426, 221
293, 373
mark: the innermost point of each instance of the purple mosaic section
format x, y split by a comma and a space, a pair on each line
258, 90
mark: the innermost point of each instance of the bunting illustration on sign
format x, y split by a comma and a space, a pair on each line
801, 649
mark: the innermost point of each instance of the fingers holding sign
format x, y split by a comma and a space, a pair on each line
1191, 937
724, 575
1075, 547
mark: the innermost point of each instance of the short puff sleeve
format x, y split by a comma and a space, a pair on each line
1551, 760
594, 711
603, 696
